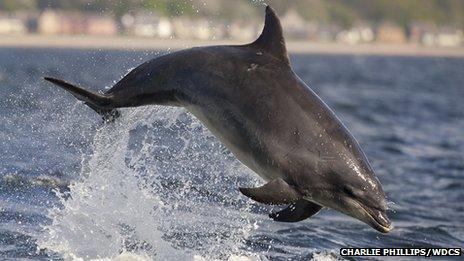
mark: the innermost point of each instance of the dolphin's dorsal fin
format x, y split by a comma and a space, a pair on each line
272, 39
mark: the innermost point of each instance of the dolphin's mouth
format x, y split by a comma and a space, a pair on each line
377, 218
373, 216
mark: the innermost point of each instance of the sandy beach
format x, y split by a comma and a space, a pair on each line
134, 43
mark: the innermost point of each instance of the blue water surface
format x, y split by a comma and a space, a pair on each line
406, 112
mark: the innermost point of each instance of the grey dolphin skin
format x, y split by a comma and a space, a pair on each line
250, 98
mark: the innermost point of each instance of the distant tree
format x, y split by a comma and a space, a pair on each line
343, 12
169, 7
13, 5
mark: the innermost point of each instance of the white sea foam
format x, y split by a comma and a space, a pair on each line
157, 186
325, 256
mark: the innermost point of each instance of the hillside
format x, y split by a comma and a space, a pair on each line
342, 12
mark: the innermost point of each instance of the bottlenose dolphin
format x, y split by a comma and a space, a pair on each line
250, 98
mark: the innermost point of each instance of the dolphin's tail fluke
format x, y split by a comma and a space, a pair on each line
100, 103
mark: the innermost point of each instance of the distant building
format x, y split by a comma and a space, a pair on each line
127, 22
145, 24
390, 33
72, 23
326, 32
218, 31
49, 22
182, 28
355, 35
448, 37
12, 26
431, 35
417, 30
148, 24
98, 25
200, 29
242, 32
28, 19
295, 26
165, 28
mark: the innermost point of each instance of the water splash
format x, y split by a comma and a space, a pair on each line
157, 185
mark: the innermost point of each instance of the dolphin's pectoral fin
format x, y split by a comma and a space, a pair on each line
275, 192
298, 211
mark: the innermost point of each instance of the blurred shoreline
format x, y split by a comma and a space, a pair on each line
296, 47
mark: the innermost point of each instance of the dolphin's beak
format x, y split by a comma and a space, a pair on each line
374, 217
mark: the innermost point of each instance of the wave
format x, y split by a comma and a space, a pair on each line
157, 185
